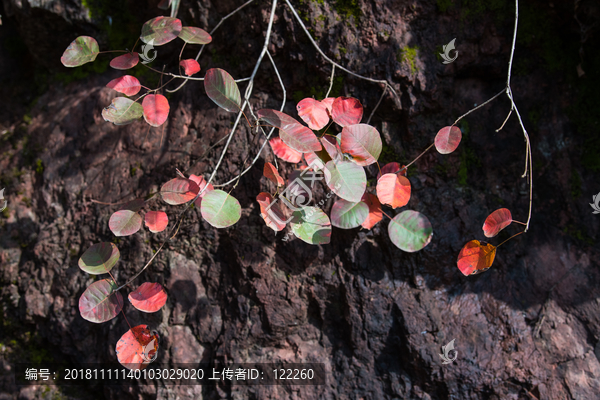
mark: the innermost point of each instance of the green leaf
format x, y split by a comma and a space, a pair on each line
347, 215
410, 231
82, 50
311, 225
160, 30
346, 179
122, 111
190, 34
100, 303
220, 209
222, 89
100, 258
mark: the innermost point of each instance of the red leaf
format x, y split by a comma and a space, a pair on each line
375, 213
332, 147
270, 212
476, 257
149, 297
156, 109
190, 66
346, 111
447, 139
292, 132
128, 85
285, 152
328, 103
201, 182
393, 190
126, 61
313, 112
497, 221
391, 168
362, 142
270, 172
156, 221
125, 222
178, 191
137, 348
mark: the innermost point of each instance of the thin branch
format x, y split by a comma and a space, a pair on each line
377, 105
506, 120
331, 80
478, 107
143, 269
413, 161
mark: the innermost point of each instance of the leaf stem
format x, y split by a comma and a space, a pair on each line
515, 235
413, 161
519, 222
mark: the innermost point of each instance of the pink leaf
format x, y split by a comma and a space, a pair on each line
270, 172
328, 103
497, 221
362, 142
346, 111
179, 191
313, 112
447, 139
332, 147
156, 221
156, 109
285, 152
292, 132
201, 182
125, 222
391, 168
128, 85
149, 297
375, 213
126, 61
393, 190
271, 212
137, 347
190, 66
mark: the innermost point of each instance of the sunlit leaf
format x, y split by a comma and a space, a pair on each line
137, 348
375, 213
332, 147
271, 212
100, 303
410, 231
126, 61
99, 258
292, 132
201, 182
393, 190
220, 209
447, 139
313, 112
328, 103
311, 225
285, 152
392, 168
362, 142
222, 89
125, 222
497, 221
156, 221
82, 50
193, 35
346, 111
178, 191
122, 111
476, 257
149, 297
190, 67
346, 179
270, 172
347, 215
160, 30
156, 109
128, 85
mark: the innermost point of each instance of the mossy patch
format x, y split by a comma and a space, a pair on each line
409, 55
348, 8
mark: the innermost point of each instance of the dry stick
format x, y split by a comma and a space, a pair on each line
377, 105
145, 266
510, 238
331, 80
479, 106
413, 161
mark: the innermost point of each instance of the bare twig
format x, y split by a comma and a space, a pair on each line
331, 80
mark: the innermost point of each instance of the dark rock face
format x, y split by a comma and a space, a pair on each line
376, 316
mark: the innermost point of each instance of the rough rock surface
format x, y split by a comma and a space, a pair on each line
377, 317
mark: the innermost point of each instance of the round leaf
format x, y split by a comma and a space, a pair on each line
156, 221
346, 111
125, 222
292, 132
122, 111
126, 61
362, 142
160, 30
178, 191
149, 297
222, 89
100, 303
190, 67
100, 258
190, 34
311, 225
313, 112
393, 190
156, 109
285, 152
410, 231
497, 221
201, 182
270, 212
270, 172
347, 215
476, 257
137, 348
375, 213
220, 209
447, 139
82, 50
391, 168
128, 85
346, 179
